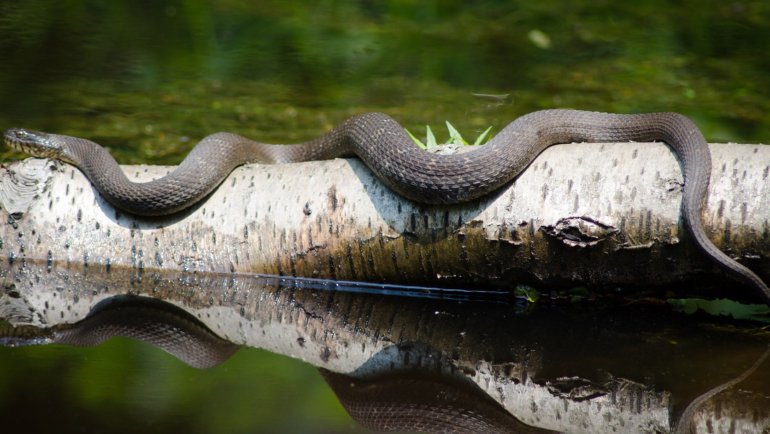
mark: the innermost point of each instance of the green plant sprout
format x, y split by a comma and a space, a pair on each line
455, 138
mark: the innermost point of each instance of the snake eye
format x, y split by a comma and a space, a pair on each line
18, 134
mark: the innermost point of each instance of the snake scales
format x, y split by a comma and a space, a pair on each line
384, 146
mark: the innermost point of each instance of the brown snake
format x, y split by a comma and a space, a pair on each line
384, 146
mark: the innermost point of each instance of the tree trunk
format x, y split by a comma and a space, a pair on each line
597, 214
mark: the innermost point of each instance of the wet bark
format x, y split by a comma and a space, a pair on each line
604, 215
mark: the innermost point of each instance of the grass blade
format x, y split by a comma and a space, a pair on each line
431, 139
454, 136
416, 141
482, 136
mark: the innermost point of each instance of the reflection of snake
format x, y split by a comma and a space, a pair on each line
416, 402
384, 400
684, 423
153, 321
384, 146
384, 404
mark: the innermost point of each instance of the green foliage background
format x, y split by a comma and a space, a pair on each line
149, 78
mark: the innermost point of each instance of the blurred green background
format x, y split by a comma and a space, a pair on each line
149, 78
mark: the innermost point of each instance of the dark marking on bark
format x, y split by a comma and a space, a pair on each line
332, 267
405, 246
721, 209
622, 229
579, 231
394, 258
420, 266
728, 231
325, 354
351, 263
332, 197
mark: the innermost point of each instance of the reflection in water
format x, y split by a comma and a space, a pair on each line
397, 390
426, 363
422, 401
148, 320
684, 424
413, 291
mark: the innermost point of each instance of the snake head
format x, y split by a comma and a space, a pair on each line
35, 143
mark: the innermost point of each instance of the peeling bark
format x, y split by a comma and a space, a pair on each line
596, 214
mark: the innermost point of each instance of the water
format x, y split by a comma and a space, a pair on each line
594, 364
148, 79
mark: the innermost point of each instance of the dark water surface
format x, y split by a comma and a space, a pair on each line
150, 78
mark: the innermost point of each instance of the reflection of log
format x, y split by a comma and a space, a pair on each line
614, 370
602, 214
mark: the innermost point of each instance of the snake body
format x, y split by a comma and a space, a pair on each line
384, 146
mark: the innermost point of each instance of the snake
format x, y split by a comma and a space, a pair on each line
384, 146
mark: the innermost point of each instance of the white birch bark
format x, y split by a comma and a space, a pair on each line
597, 214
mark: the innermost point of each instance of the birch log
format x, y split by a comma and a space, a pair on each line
596, 214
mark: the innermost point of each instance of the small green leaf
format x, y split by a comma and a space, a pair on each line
482, 136
454, 136
431, 139
416, 141
527, 292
